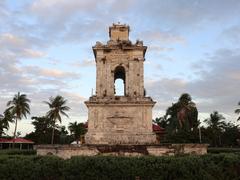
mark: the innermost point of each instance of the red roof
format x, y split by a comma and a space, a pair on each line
157, 128
2, 140
17, 140
86, 125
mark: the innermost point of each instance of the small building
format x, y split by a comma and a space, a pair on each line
19, 143
160, 132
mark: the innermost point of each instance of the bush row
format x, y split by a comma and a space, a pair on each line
217, 150
17, 152
209, 167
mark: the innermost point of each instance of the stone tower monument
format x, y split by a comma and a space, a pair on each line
123, 119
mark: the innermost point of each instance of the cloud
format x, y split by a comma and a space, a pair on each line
62, 8
18, 46
11, 76
216, 89
52, 73
78, 111
232, 34
55, 73
68, 20
159, 48
77, 21
30, 31
3, 10
39, 84
84, 63
184, 14
165, 88
14, 77
220, 84
32, 53
8, 39
162, 36
74, 101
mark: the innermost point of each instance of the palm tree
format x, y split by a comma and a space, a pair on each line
19, 107
185, 98
216, 125
237, 111
183, 113
5, 120
187, 112
77, 129
57, 107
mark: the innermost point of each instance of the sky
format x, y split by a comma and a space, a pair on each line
193, 47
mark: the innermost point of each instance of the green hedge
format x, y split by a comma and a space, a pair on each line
17, 152
216, 150
209, 167
29, 167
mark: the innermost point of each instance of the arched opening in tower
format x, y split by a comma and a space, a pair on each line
119, 81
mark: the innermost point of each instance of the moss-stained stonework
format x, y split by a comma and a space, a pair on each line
123, 119
67, 151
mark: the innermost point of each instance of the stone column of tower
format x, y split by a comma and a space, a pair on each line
123, 119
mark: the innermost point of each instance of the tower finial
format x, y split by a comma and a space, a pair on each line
119, 32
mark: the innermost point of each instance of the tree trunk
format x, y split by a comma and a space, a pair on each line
52, 134
220, 142
14, 134
77, 140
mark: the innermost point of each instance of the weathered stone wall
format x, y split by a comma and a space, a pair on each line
67, 151
120, 119
119, 32
132, 61
119, 122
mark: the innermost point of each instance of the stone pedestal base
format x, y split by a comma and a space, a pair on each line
120, 120
67, 151
121, 138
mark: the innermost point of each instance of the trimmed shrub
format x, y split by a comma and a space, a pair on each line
217, 150
17, 152
209, 167
30, 167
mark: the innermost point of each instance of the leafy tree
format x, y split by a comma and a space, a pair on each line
183, 114
63, 135
187, 113
5, 119
230, 135
57, 107
182, 126
161, 121
42, 130
181, 121
237, 111
19, 107
77, 129
42, 124
216, 125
